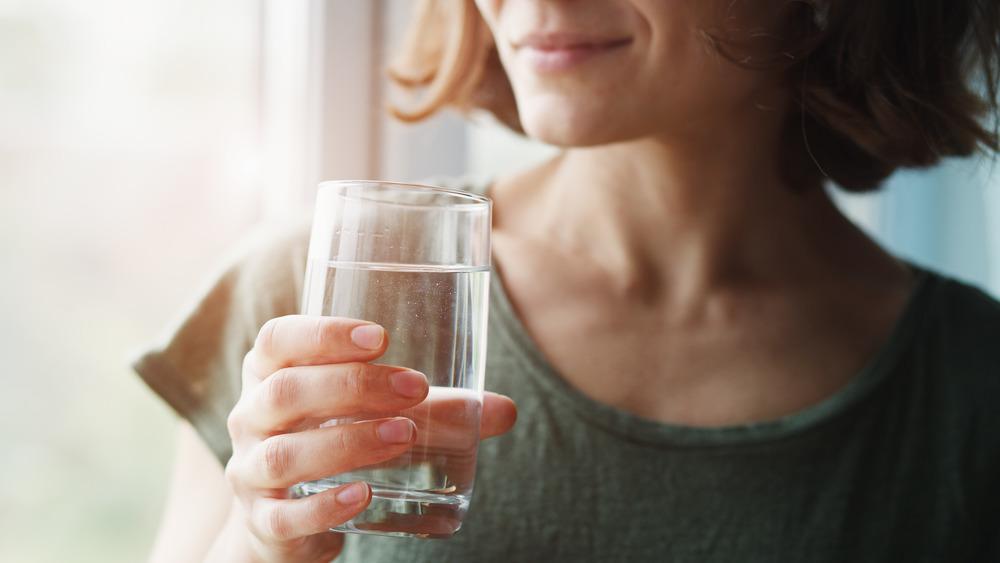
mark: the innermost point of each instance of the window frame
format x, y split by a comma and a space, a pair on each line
324, 94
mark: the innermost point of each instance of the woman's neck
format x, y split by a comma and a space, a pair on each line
686, 216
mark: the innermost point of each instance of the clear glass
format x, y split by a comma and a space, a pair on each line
416, 260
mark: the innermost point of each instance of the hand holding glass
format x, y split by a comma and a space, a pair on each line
415, 260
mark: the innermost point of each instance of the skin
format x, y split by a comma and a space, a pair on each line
693, 285
301, 371
683, 280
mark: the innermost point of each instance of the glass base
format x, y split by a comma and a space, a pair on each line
400, 513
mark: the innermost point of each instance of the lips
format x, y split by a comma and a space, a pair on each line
552, 52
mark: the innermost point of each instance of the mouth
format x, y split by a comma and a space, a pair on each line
554, 52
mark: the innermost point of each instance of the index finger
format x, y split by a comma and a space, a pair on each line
301, 340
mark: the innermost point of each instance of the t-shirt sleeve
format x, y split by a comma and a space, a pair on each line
197, 367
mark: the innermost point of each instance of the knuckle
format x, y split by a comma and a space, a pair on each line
281, 391
331, 335
353, 382
326, 333
275, 522
276, 458
232, 474
345, 441
265, 338
234, 422
249, 362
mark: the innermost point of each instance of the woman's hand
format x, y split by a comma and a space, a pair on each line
303, 371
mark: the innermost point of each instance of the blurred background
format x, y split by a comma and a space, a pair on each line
141, 139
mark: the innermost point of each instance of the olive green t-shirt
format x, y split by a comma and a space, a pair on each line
903, 464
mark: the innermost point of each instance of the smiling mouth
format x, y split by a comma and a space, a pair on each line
553, 53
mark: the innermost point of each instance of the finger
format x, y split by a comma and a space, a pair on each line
283, 460
452, 419
298, 340
294, 394
448, 420
282, 520
499, 415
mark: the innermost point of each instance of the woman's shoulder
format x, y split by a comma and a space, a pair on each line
967, 319
961, 339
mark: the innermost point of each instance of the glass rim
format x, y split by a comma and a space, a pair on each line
472, 199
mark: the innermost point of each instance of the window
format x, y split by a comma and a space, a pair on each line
128, 159
946, 218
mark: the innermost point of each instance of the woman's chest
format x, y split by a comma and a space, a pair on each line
719, 363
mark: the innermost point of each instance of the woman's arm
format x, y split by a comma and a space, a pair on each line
198, 502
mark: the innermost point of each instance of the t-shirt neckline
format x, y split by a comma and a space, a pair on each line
639, 429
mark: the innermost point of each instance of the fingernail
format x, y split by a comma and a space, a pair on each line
396, 431
408, 383
353, 493
367, 336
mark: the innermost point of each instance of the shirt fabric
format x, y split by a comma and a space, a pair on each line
902, 464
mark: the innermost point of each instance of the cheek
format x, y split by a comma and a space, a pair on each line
677, 68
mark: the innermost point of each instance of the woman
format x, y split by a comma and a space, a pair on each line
710, 362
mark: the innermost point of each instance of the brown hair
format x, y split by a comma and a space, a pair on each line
878, 84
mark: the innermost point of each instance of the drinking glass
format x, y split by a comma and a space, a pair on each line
416, 260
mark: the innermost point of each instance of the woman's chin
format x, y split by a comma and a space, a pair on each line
569, 131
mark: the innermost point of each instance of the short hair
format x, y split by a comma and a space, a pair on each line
877, 85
